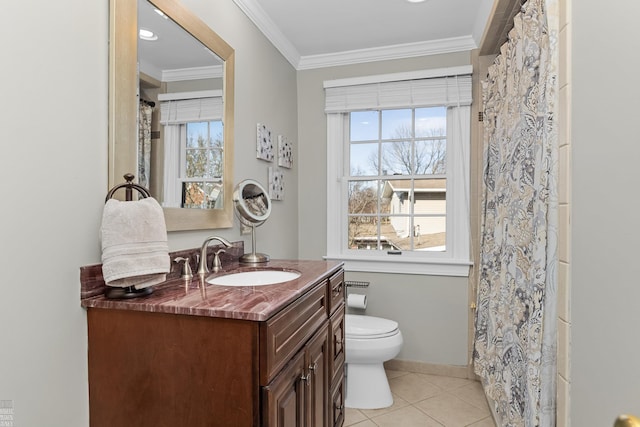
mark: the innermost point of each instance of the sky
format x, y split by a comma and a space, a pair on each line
367, 125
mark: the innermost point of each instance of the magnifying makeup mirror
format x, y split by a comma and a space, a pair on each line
253, 207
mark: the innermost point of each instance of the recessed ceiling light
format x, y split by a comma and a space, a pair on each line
416, 1
147, 34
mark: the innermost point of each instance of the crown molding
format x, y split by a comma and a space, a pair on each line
257, 15
194, 73
399, 51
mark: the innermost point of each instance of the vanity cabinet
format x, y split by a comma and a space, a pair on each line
158, 369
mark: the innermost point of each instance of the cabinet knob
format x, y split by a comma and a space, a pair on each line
313, 367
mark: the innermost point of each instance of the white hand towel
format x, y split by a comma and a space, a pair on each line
134, 243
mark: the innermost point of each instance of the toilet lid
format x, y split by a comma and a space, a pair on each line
358, 326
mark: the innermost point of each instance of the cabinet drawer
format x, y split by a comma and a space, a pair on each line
285, 333
336, 291
336, 344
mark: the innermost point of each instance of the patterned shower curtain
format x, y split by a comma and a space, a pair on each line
515, 325
144, 143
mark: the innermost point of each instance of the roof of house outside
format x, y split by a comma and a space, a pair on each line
419, 185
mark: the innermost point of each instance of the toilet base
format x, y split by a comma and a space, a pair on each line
367, 387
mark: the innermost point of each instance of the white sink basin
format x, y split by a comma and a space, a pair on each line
254, 278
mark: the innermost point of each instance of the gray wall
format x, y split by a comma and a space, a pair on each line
432, 310
53, 177
605, 367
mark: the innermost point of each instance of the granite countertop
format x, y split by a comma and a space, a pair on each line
198, 298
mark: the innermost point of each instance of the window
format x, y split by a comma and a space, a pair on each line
398, 172
193, 150
397, 180
201, 171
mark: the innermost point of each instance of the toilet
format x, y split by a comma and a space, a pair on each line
370, 341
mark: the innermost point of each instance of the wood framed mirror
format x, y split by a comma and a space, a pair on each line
127, 80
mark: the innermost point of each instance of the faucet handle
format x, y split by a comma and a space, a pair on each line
217, 265
186, 268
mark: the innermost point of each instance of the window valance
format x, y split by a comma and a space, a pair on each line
448, 87
185, 107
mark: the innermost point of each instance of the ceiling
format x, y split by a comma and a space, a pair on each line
341, 32
175, 52
338, 32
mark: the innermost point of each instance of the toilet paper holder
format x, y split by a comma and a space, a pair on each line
355, 284
357, 301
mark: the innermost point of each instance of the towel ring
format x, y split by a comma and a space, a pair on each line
129, 185
129, 291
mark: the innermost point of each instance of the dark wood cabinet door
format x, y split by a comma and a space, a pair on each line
337, 403
284, 397
317, 361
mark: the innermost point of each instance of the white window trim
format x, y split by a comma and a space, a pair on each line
453, 262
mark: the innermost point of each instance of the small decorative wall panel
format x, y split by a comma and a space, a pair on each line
264, 144
276, 184
285, 152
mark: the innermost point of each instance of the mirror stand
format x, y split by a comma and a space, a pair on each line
253, 257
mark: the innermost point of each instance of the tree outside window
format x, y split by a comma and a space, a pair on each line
203, 166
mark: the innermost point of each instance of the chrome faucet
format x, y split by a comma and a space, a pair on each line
202, 262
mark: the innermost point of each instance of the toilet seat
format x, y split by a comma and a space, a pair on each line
369, 327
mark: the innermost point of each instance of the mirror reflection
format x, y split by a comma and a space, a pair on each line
180, 138
175, 93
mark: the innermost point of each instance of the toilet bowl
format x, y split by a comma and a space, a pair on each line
370, 341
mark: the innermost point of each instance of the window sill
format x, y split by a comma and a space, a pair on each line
431, 267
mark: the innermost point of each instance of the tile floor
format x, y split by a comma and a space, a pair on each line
427, 401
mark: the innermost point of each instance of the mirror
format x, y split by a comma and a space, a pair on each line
189, 167
253, 207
